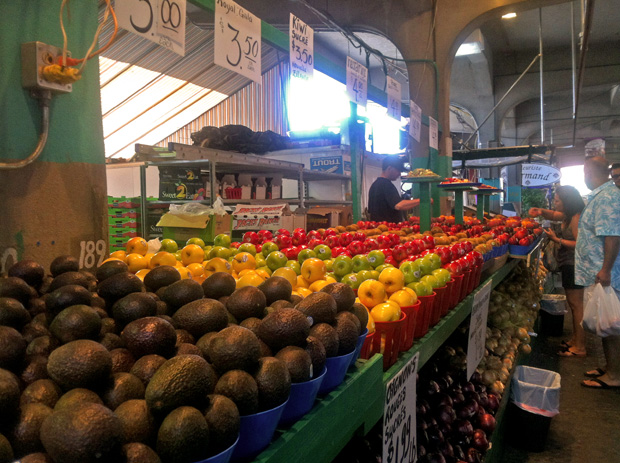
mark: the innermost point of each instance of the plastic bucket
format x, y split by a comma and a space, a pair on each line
456, 290
448, 297
478, 276
409, 328
472, 279
424, 316
223, 456
365, 352
387, 339
336, 370
301, 399
465, 285
358, 347
440, 295
255, 432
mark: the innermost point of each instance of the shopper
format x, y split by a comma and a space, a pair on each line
384, 201
596, 255
615, 173
568, 205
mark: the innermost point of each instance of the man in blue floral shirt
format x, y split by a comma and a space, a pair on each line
598, 243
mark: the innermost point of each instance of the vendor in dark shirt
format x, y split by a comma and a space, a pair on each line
384, 201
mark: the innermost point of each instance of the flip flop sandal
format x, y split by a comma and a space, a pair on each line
601, 384
565, 343
570, 353
594, 373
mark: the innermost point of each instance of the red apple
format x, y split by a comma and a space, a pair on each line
356, 247
314, 242
283, 241
399, 252
371, 244
283, 231
359, 236
299, 237
345, 239
251, 237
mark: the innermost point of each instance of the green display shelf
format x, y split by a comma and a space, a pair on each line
425, 198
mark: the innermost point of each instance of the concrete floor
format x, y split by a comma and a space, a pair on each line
587, 430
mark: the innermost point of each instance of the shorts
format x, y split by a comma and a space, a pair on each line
568, 277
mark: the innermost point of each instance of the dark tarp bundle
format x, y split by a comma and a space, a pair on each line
240, 138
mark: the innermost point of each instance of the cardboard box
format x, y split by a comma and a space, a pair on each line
266, 217
274, 188
260, 188
332, 164
245, 182
326, 217
180, 228
180, 183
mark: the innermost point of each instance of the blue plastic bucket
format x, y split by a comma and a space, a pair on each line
301, 399
358, 347
256, 432
336, 370
222, 457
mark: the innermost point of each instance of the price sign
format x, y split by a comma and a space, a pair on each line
237, 39
433, 133
357, 82
92, 253
415, 122
301, 37
478, 328
393, 98
160, 21
399, 418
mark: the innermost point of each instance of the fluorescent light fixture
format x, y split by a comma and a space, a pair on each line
509, 15
472, 45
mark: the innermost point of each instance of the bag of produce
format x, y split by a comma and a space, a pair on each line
601, 314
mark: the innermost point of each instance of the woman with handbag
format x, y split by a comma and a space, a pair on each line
568, 205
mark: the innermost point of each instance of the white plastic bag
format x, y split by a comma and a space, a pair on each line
601, 314
536, 390
197, 209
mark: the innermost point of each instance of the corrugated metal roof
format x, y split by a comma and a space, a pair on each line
149, 92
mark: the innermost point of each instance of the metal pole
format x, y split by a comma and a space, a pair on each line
542, 101
572, 55
354, 146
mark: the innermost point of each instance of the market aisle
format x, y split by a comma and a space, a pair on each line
587, 428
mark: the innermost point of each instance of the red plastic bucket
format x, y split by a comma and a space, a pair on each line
456, 289
438, 305
409, 330
472, 279
387, 339
448, 297
478, 275
365, 352
424, 315
465, 285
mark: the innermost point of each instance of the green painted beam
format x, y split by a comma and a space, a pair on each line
458, 207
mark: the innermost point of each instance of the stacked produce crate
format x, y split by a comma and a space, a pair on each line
123, 220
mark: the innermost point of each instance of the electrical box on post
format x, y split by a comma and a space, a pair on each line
36, 56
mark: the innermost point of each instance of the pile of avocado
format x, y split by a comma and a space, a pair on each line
105, 367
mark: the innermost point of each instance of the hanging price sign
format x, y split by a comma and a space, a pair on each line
415, 122
433, 133
160, 21
393, 98
357, 82
301, 39
478, 329
237, 39
399, 419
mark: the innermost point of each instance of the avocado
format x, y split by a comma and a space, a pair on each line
62, 264
108, 325
240, 387
109, 268
43, 391
77, 396
247, 302
118, 286
348, 332
182, 380
149, 335
13, 313
25, 433
187, 348
296, 299
184, 337
76, 322
274, 383
36, 306
136, 452
350, 316
298, 363
41, 345
162, 308
69, 278
36, 368
132, 307
220, 284
65, 297
361, 312
168, 319
122, 360
320, 307
317, 353
180, 293
222, 416
137, 422
87, 433
145, 367
328, 336
45, 284
161, 276
97, 302
29, 271
9, 395
12, 348
203, 344
120, 388
342, 294
16, 288
6, 451
234, 348
281, 304
251, 324
36, 458
275, 289
111, 341
81, 363
33, 330
183, 436
201, 316
265, 350
284, 327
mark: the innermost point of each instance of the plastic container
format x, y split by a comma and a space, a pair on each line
387, 340
424, 315
336, 370
409, 328
365, 352
456, 293
358, 347
256, 432
222, 457
465, 285
550, 324
473, 276
447, 300
301, 399
440, 295
554, 304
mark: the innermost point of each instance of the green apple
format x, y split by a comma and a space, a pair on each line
361, 262
323, 252
374, 274
351, 280
411, 270
329, 265
248, 247
197, 241
435, 259
376, 258
266, 269
305, 254
426, 265
431, 280
364, 275
332, 275
269, 247
380, 268
294, 265
169, 245
233, 252
219, 251
207, 249
260, 260
276, 259
177, 255
222, 240
443, 275
342, 265
421, 288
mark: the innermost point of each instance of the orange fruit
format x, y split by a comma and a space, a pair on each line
286, 273
196, 270
250, 279
136, 262
142, 273
137, 245
163, 258
303, 292
192, 254
185, 273
317, 285
243, 261
121, 255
